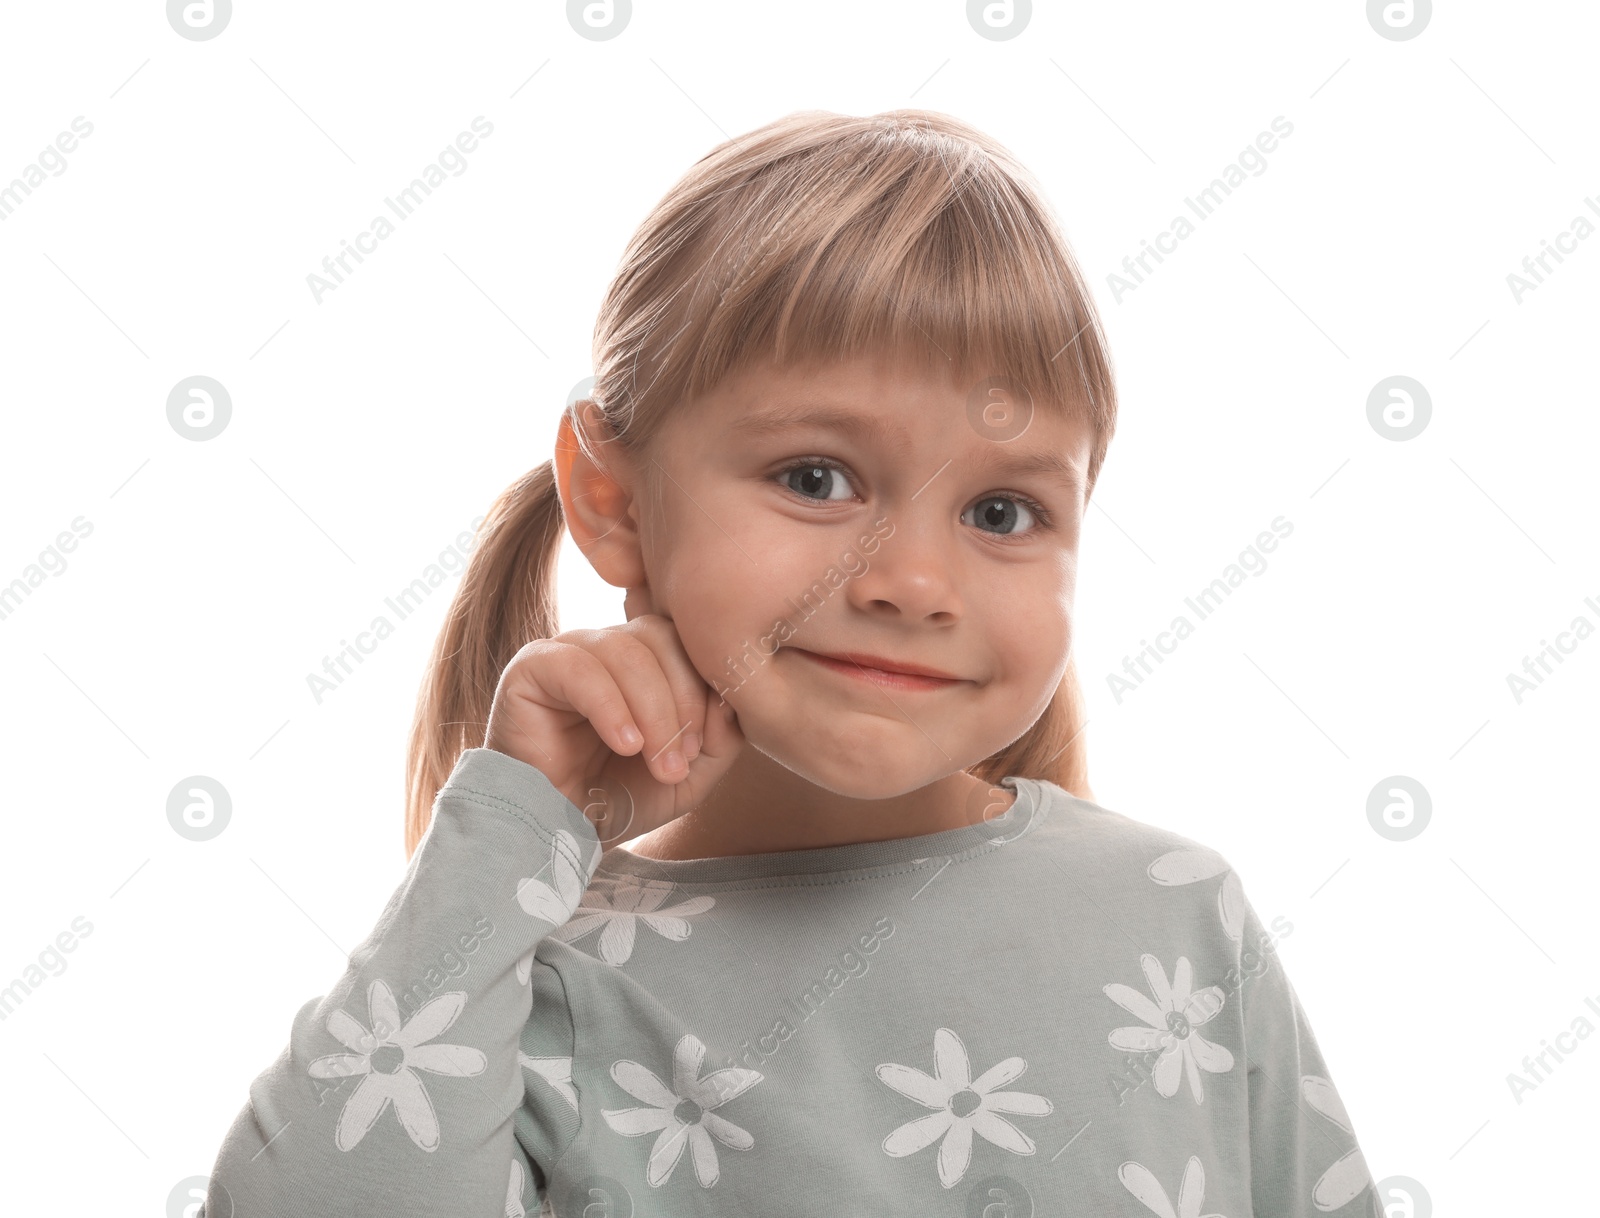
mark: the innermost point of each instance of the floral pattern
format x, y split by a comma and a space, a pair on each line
1174, 1018
1141, 1182
962, 1106
631, 903
1343, 1182
557, 1071
682, 1114
389, 1055
1190, 866
663, 1112
555, 901
514, 1206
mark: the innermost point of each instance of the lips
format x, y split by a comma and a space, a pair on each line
893, 674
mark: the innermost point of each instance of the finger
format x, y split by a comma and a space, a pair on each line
723, 742
579, 679
688, 687
638, 673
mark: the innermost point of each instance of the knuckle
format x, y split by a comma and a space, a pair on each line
614, 638
575, 659
531, 651
636, 658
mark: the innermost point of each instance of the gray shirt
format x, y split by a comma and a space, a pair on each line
1060, 1010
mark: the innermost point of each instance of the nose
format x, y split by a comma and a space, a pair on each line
913, 575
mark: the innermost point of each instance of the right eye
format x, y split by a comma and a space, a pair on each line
815, 478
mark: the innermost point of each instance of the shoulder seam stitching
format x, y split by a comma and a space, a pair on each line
519, 813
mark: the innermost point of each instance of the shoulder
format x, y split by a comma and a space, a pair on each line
1169, 858
1129, 863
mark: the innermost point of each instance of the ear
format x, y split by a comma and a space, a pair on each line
598, 500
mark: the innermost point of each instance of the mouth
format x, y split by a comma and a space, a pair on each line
889, 674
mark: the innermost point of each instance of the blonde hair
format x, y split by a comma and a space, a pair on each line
816, 237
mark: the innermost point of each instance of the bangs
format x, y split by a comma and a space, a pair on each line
894, 238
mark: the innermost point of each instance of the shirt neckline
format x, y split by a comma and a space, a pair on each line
1024, 812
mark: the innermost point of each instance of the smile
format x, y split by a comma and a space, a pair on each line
887, 678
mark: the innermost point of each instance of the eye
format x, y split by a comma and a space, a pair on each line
817, 479
1002, 513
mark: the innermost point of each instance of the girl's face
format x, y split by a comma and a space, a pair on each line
864, 509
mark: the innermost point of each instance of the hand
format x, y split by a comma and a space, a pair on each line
566, 705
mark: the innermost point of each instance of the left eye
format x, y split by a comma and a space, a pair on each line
999, 512
813, 480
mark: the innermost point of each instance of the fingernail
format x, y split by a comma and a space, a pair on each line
675, 760
691, 744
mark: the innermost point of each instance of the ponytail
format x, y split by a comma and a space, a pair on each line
506, 598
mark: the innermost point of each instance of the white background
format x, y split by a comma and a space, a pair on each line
370, 429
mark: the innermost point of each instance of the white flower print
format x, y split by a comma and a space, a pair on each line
1342, 1182
1173, 1017
557, 1071
389, 1056
1141, 1182
682, 1112
631, 902
1190, 866
961, 1107
514, 1206
555, 901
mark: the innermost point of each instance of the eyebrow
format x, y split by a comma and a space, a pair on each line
790, 417
1047, 462
800, 414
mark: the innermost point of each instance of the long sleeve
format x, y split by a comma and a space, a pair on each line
1304, 1160
398, 1091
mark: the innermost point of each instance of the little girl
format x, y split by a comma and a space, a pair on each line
789, 896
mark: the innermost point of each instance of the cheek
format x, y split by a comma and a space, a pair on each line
1029, 627
726, 608
714, 629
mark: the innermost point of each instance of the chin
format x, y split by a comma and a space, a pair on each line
855, 774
